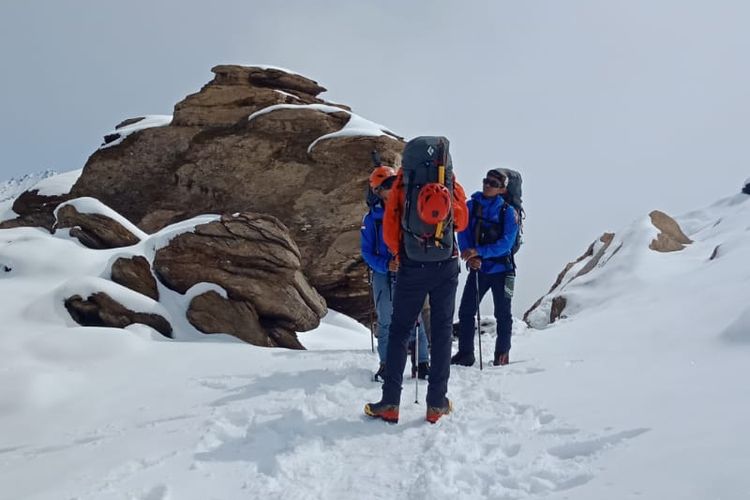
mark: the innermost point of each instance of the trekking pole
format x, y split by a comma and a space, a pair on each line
372, 311
375, 157
416, 360
479, 319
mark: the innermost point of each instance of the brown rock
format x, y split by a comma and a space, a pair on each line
211, 159
135, 273
558, 306
212, 313
94, 230
254, 259
671, 238
101, 310
35, 210
606, 238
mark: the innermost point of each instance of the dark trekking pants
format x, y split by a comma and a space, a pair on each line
415, 280
501, 285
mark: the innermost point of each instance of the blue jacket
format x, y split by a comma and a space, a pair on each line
374, 250
491, 208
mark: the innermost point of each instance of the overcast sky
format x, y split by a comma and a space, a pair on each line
608, 108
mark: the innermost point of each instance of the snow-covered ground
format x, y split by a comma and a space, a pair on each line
641, 395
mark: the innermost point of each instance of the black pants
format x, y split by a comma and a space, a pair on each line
501, 285
413, 283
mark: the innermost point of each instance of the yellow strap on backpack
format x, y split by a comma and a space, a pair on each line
441, 180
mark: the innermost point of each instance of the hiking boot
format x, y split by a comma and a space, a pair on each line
383, 411
423, 370
463, 358
435, 412
501, 359
380, 374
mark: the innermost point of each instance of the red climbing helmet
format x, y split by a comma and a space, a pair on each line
433, 203
380, 174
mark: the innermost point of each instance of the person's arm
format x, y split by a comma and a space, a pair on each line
465, 237
504, 245
460, 211
368, 244
392, 216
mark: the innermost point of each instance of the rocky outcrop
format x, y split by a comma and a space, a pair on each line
94, 230
253, 258
592, 256
99, 309
284, 162
670, 237
135, 273
552, 306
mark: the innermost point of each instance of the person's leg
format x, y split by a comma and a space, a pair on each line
408, 296
423, 347
442, 306
502, 294
426, 319
383, 308
467, 311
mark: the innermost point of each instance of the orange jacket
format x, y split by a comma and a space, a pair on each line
395, 206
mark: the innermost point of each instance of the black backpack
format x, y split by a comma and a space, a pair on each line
421, 164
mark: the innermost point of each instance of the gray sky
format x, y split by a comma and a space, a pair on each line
609, 108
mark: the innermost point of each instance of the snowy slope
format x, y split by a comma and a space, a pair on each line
638, 395
14, 186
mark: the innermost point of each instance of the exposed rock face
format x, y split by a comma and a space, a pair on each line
94, 230
135, 273
212, 159
102, 310
671, 238
254, 259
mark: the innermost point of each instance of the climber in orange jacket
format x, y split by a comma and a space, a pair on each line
427, 264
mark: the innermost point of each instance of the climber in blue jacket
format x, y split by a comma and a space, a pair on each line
487, 246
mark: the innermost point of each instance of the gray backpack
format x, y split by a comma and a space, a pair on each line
420, 165
513, 198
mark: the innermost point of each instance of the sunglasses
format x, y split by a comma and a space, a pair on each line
387, 184
491, 182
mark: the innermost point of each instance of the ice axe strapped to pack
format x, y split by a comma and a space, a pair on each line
427, 221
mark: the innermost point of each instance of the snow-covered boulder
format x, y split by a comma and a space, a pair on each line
239, 275
99, 309
94, 230
261, 140
253, 258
